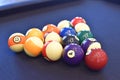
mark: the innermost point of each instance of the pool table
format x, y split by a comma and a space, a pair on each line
103, 17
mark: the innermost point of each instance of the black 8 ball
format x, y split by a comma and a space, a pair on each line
70, 39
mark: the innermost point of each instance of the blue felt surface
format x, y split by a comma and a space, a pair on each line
103, 19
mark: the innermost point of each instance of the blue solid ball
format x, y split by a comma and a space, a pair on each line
67, 31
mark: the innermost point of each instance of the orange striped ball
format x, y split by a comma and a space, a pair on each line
33, 46
16, 42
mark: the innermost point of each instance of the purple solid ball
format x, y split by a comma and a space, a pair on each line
86, 43
73, 54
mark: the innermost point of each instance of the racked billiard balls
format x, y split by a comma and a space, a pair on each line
67, 31
70, 39
81, 27
77, 20
52, 51
73, 54
82, 35
16, 42
96, 59
63, 24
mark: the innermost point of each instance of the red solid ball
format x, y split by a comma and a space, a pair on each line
77, 20
96, 59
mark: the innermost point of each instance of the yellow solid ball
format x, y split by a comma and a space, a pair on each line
35, 32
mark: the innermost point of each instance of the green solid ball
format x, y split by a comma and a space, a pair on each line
82, 35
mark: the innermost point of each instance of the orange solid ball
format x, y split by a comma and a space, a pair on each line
16, 42
34, 32
33, 46
50, 28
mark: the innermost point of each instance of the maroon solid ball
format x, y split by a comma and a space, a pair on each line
73, 54
96, 59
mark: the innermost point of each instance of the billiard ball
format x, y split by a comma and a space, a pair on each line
53, 36
81, 27
73, 54
82, 35
96, 59
70, 39
16, 42
63, 24
33, 46
34, 32
50, 28
52, 51
67, 31
88, 43
77, 20
94, 45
